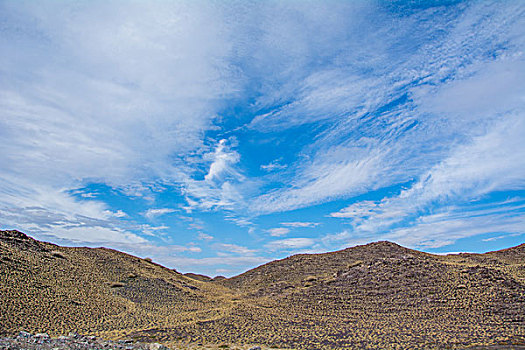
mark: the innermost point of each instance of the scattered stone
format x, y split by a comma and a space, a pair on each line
42, 335
156, 346
42, 341
23, 334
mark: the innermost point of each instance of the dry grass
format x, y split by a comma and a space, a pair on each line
377, 296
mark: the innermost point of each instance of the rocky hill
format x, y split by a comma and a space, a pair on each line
379, 295
53, 289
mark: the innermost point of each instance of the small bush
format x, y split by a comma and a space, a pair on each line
57, 254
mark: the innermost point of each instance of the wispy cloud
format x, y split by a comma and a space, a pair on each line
58, 138
153, 213
274, 165
119, 214
260, 109
278, 231
205, 237
48, 213
234, 248
390, 127
290, 244
503, 236
492, 161
438, 230
300, 224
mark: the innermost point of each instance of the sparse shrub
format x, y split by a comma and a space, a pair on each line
57, 254
355, 264
311, 279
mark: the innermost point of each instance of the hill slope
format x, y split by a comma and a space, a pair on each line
379, 295
382, 293
44, 287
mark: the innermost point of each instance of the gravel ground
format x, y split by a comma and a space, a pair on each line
42, 341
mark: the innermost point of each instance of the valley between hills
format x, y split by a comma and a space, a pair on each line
375, 296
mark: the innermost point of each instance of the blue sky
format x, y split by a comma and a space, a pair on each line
216, 136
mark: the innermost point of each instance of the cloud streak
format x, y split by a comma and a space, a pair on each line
153, 213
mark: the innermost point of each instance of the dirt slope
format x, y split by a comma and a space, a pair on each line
379, 295
44, 287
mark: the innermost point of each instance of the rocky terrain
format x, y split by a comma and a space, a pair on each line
74, 341
379, 295
43, 341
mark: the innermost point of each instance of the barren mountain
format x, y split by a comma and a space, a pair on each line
379, 295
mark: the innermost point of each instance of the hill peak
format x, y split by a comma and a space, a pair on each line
13, 235
380, 249
384, 244
18, 239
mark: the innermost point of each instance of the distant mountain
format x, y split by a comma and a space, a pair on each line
379, 295
198, 277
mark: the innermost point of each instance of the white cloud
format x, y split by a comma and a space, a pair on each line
438, 230
222, 160
153, 213
274, 165
51, 214
323, 180
278, 231
205, 237
125, 94
494, 161
492, 89
223, 186
163, 254
503, 236
234, 248
238, 263
393, 126
117, 91
103, 61
153, 231
120, 214
290, 244
358, 210
300, 224
96, 235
